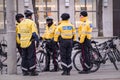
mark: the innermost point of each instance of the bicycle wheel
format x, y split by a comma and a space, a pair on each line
3, 63
112, 59
19, 59
95, 61
76, 61
1, 66
116, 54
59, 60
40, 59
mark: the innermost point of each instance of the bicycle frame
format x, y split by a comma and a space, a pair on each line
109, 48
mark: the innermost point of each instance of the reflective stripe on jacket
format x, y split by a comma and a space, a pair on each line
66, 30
17, 38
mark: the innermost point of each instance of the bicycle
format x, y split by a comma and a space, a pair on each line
110, 50
3, 56
110, 53
41, 55
77, 58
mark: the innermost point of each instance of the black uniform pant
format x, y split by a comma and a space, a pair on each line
51, 48
85, 61
65, 52
19, 49
29, 58
54, 58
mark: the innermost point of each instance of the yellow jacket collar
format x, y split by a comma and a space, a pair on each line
51, 25
83, 19
64, 21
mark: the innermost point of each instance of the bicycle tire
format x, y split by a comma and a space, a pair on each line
40, 59
115, 65
94, 65
95, 61
59, 60
116, 54
1, 66
76, 61
112, 59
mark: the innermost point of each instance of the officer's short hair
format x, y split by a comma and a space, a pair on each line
18, 16
84, 13
65, 16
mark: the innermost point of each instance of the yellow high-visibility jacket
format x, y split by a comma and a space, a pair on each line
17, 38
49, 32
84, 30
66, 30
25, 29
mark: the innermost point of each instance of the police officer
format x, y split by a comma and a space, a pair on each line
19, 17
65, 34
84, 33
27, 33
28, 14
49, 35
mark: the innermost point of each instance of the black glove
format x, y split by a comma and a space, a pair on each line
74, 42
55, 45
78, 38
40, 38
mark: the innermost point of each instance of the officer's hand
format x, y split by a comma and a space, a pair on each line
55, 42
55, 45
40, 38
74, 42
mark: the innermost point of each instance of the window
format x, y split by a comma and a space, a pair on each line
46, 8
47, 0
3, 15
90, 6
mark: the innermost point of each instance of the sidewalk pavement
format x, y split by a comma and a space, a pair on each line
106, 72
101, 74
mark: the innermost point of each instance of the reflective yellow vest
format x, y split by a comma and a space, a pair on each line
25, 29
66, 30
49, 32
84, 30
17, 38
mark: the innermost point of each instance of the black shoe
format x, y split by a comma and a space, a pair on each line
25, 73
64, 73
34, 73
84, 72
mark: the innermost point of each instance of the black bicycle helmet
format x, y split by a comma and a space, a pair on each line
65, 16
18, 16
28, 13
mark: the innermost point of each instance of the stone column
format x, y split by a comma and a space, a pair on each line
11, 38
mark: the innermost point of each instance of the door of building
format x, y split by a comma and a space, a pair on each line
116, 17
